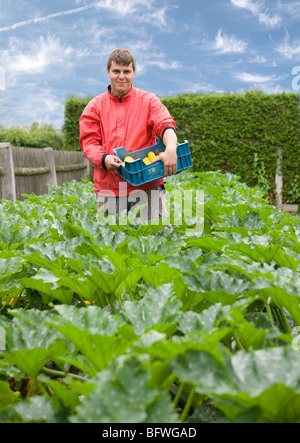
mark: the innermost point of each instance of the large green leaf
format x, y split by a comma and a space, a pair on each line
48, 284
28, 330
152, 249
98, 349
7, 397
31, 361
125, 395
262, 378
35, 410
158, 306
92, 319
257, 253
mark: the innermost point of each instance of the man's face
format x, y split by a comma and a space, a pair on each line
121, 78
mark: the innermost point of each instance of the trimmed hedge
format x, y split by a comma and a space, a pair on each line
73, 110
237, 133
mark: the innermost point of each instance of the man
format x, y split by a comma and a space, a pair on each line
129, 117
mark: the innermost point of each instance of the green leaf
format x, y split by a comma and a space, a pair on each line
36, 410
257, 253
125, 396
152, 249
159, 275
282, 298
106, 277
191, 322
28, 330
288, 259
208, 244
158, 306
62, 396
7, 396
48, 284
92, 319
245, 381
98, 349
31, 361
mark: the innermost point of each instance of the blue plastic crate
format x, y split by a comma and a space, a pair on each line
137, 173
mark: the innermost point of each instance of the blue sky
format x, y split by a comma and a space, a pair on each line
51, 49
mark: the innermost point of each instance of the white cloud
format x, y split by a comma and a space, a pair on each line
124, 7
160, 18
147, 55
292, 9
37, 57
47, 17
247, 4
261, 59
39, 104
159, 60
289, 50
254, 78
269, 20
2, 79
267, 83
157, 17
260, 11
203, 88
118, 7
43, 53
225, 44
164, 65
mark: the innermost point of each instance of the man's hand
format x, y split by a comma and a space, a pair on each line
169, 159
112, 162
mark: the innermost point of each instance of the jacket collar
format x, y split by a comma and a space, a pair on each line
124, 97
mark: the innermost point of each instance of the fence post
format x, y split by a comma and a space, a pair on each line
87, 171
50, 163
8, 177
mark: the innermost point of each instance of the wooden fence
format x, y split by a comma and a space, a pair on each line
30, 170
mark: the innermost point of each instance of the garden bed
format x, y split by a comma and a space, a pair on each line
118, 323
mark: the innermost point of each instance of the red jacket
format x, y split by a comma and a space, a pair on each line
108, 122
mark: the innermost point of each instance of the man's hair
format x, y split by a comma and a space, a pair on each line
121, 57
